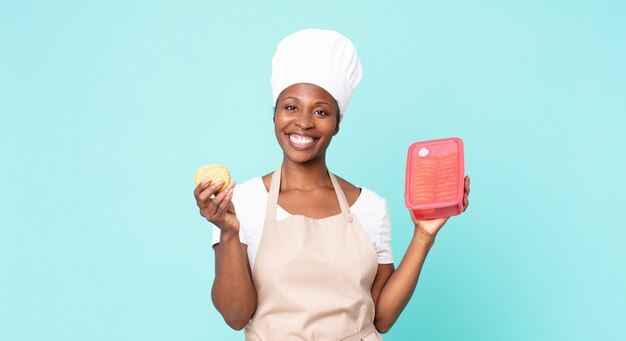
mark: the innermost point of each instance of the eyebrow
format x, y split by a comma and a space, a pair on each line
297, 99
322, 102
291, 97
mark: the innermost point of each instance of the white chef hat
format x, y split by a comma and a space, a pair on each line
321, 57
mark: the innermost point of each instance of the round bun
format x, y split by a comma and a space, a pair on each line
215, 173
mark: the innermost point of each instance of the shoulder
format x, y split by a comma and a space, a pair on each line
351, 191
372, 212
250, 186
247, 195
249, 192
371, 203
373, 197
362, 196
249, 200
266, 180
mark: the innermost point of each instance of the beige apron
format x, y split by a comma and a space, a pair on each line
313, 277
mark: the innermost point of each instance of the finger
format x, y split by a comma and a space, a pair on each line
231, 207
201, 198
214, 203
201, 186
467, 185
201, 189
209, 210
224, 192
207, 192
225, 203
465, 202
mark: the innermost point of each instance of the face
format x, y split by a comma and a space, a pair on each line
305, 122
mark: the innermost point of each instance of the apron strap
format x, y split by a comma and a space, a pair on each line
272, 200
343, 202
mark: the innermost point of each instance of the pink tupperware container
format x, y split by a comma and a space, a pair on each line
435, 178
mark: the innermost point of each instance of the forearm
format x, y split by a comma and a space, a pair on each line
233, 292
398, 290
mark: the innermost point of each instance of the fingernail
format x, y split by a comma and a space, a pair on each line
205, 182
218, 183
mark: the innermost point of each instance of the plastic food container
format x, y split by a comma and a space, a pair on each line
434, 185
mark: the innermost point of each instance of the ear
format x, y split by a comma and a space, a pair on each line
338, 118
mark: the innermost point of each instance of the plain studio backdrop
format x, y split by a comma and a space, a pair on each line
108, 108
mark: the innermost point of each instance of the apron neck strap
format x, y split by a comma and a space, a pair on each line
272, 200
343, 202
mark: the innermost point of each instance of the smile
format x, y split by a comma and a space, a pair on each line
301, 141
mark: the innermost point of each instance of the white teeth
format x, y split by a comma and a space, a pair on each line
301, 140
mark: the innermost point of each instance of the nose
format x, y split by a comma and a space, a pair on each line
305, 121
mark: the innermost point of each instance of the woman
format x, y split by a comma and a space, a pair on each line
299, 253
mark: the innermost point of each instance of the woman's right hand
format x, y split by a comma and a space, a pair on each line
218, 210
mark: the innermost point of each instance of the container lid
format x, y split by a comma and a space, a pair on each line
434, 174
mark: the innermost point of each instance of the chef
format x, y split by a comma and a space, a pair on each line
301, 253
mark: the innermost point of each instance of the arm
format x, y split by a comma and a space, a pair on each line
392, 289
233, 293
399, 284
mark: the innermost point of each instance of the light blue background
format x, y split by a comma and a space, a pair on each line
107, 109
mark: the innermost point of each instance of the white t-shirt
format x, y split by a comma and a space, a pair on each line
250, 201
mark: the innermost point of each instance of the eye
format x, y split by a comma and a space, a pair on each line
321, 113
290, 107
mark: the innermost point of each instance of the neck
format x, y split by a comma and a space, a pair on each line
304, 176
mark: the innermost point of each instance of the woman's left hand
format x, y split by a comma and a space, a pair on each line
432, 226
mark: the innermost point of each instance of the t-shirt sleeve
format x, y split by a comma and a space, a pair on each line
383, 242
242, 221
